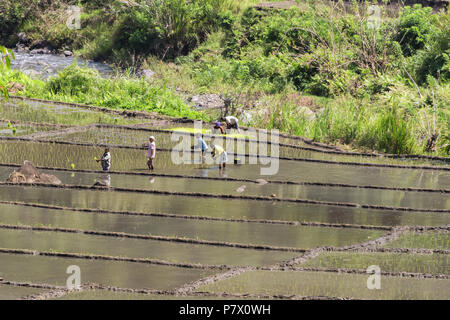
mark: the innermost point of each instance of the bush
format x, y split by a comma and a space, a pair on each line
84, 85
415, 27
434, 60
73, 80
168, 28
12, 15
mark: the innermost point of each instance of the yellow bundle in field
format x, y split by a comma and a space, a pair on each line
206, 131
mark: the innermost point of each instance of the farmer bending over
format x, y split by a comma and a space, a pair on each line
232, 122
201, 144
151, 153
218, 151
218, 126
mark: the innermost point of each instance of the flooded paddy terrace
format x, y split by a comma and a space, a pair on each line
309, 230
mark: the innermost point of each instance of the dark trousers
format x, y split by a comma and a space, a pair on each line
150, 164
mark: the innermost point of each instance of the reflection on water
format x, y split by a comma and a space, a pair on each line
62, 156
255, 233
104, 180
332, 285
137, 138
51, 270
227, 208
138, 248
336, 194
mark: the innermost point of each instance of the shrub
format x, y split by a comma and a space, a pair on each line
73, 80
434, 60
416, 25
168, 28
12, 14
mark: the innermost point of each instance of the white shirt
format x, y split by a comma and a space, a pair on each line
151, 147
231, 120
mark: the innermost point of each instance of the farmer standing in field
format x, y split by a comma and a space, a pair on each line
218, 151
232, 122
105, 160
151, 153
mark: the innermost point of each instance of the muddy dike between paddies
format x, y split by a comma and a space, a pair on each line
216, 207
190, 230
68, 156
428, 198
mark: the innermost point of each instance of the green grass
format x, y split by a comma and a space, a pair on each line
363, 108
391, 262
427, 240
272, 63
331, 285
20, 130
82, 85
21, 111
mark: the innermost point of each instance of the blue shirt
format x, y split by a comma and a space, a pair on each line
202, 144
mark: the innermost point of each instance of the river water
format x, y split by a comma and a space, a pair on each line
47, 65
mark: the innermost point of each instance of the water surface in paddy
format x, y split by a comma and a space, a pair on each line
33, 111
116, 136
16, 130
250, 233
332, 285
227, 208
14, 293
114, 295
54, 155
52, 270
139, 248
335, 194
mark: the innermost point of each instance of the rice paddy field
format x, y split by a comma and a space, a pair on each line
314, 229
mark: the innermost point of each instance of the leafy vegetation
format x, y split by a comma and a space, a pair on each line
320, 70
84, 85
5, 61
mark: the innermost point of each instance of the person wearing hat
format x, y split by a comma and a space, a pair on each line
218, 151
218, 126
151, 153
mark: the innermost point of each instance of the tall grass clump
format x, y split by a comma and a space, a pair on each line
83, 85
349, 122
388, 132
